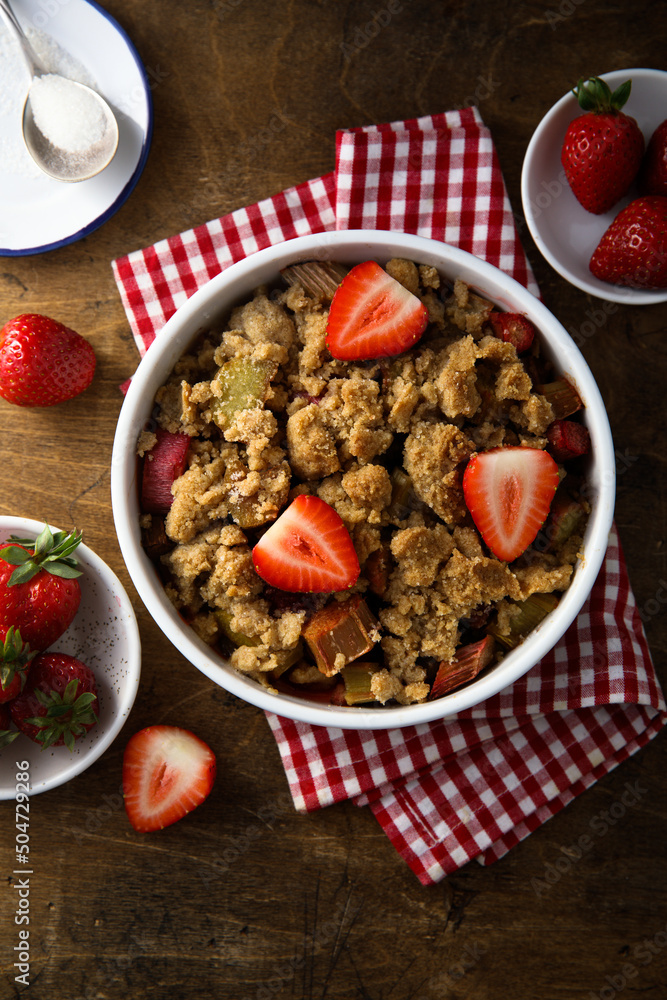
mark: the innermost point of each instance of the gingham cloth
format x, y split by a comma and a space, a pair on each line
474, 785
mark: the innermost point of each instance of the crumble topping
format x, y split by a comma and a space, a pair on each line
270, 414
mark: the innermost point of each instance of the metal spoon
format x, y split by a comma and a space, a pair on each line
63, 164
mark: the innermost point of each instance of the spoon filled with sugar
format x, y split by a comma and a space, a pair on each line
68, 129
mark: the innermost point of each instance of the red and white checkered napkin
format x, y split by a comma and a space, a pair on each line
473, 785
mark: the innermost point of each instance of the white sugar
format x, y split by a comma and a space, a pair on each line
69, 117
14, 84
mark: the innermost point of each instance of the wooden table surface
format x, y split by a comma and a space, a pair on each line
321, 905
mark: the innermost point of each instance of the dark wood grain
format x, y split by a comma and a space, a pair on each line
246, 898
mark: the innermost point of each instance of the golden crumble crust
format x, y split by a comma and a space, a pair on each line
385, 444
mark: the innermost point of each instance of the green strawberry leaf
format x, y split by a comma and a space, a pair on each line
50, 552
14, 656
43, 544
15, 556
23, 574
40, 721
63, 570
55, 711
7, 736
621, 95
594, 95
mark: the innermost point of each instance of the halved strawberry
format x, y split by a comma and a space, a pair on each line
167, 772
508, 492
513, 328
163, 464
373, 315
308, 548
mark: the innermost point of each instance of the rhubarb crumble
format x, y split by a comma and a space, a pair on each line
260, 412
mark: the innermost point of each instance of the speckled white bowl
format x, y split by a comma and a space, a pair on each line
105, 636
208, 307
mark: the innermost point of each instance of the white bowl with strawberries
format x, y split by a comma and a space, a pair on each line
594, 186
317, 560
70, 656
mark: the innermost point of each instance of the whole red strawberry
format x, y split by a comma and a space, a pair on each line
39, 589
652, 177
603, 148
43, 362
15, 662
59, 701
633, 251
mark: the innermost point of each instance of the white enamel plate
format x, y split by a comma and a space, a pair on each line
38, 213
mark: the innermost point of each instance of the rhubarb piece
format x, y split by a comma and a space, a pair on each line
377, 568
332, 696
319, 278
513, 328
339, 633
403, 497
306, 675
531, 612
467, 663
259, 508
224, 620
357, 677
286, 659
163, 464
154, 539
566, 517
240, 384
564, 398
568, 439
307, 549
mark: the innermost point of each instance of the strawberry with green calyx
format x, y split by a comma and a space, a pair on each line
633, 250
15, 661
42, 362
59, 702
603, 148
39, 590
